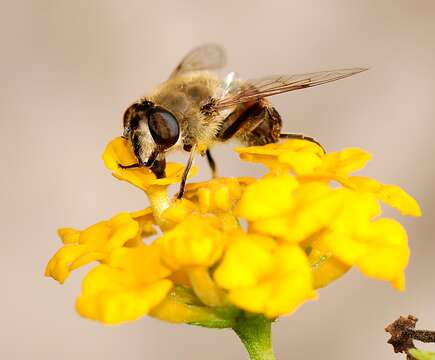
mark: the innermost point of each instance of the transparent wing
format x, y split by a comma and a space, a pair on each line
204, 57
255, 89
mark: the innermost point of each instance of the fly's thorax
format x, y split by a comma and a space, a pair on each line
184, 96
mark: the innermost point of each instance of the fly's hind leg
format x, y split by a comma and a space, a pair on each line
301, 137
211, 163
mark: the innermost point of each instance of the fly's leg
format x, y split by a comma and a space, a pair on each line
130, 166
186, 172
211, 163
157, 166
301, 137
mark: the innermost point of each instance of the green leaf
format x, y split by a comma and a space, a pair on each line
422, 355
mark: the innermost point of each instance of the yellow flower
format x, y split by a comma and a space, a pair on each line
193, 246
131, 284
313, 213
309, 163
264, 277
196, 241
93, 243
237, 248
217, 194
293, 212
380, 250
259, 202
119, 152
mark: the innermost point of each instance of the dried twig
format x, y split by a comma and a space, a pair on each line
403, 333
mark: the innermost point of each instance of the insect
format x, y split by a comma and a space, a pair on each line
195, 109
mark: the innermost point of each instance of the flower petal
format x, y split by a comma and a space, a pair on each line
94, 243
269, 279
118, 151
380, 251
128, 286
296, 155
107, 296
270, 196
391, 195
345, 161
197, 241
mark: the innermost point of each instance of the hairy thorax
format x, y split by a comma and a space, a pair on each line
184, 96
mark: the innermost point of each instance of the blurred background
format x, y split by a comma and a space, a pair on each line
69, 69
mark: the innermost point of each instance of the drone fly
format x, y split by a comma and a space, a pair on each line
195, 109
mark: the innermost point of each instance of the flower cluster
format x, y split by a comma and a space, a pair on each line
237, 245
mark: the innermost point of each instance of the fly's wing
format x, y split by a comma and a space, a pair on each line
255, 89
204, 57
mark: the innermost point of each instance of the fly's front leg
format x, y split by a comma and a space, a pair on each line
186, 171
156, 163
131, 166
158, 167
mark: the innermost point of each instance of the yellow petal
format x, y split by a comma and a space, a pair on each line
145, 219
119, 151
265, 278
123, 228
277, 149
345, 161
204, 199
178, 211
69, 235
301, 163
197, 241
267, 197
387, 254
223, 198
59, 265
86, 259
315, 207
296, 155
127, 287
283, 293
217, 195
399, 199
204, 286
380, 250
94, 243
326, 267
391, 195
245, 261
144, 262
109, 297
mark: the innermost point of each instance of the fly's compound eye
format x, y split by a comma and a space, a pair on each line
163, 127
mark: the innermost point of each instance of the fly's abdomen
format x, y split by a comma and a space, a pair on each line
256, 123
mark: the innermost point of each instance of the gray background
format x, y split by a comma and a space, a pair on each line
68, 70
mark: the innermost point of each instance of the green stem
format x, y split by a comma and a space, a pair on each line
255, 333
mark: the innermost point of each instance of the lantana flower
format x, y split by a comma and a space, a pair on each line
238, 252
